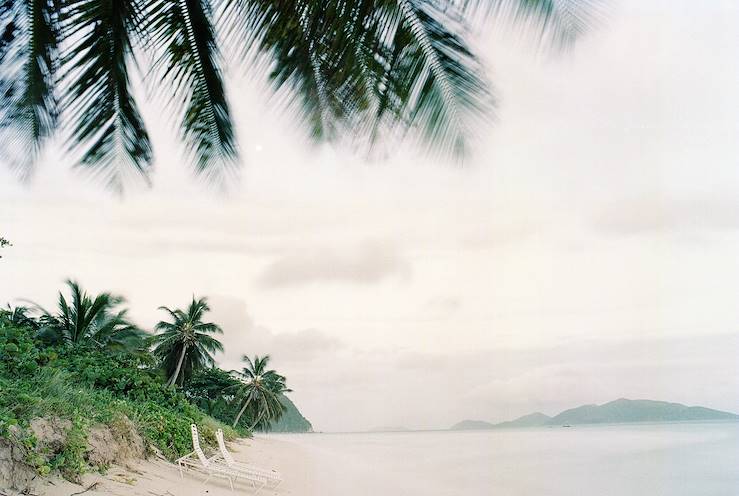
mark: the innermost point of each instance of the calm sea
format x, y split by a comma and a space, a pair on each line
687, 459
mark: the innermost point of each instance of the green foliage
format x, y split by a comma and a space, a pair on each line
359, 69
184, 344
290, 421
213, 391
90, 321
71, 460
76, 369
260, 392
18, 352
106, 118
3, 243
222, 395
87, 385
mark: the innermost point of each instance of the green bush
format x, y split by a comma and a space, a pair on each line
87, 387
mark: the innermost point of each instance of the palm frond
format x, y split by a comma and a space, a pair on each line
183, 35
98, 97
29, 37
208, 344
354, 70
363, 68
186, 336
445, 87
557, 23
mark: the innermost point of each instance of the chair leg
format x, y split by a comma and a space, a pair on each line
259, 489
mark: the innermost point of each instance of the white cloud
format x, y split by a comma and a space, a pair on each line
370, 262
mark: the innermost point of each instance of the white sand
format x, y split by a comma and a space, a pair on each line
161, 478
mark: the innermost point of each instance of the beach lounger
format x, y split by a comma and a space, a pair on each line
272, 476
213, 467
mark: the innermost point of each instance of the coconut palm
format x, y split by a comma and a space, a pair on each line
261, 389
84, 319
19, 316
184, 344
348, 68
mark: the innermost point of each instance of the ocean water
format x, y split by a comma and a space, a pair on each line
687, 459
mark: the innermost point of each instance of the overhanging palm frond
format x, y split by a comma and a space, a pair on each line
448, 89
290, 34
29, 37
98, 99
361, 69
362, 66
188, 57
557, 23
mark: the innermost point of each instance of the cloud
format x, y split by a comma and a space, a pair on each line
502, 383
654, 214
241, 335
370, 262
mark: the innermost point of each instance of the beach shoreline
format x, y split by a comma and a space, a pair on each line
159, 477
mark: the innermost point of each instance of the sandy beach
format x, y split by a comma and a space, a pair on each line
157, 477
614, 460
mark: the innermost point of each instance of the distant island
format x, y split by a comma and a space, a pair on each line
615, 412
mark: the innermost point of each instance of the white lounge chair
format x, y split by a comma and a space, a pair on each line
273, 477
213, 467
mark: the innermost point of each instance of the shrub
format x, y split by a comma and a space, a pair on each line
87, 386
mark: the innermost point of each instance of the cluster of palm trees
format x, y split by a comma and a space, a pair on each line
183, 344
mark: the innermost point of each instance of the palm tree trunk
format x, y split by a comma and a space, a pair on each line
241, 412
176, 374
259, 417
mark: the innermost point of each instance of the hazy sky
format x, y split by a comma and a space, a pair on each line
588, 251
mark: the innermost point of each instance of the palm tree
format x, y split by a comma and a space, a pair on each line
19, 317
261, 389
349, 68
184, 344
87, 320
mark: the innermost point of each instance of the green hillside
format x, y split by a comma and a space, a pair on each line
614, 412
292, 420
623, 410
531, 420
472, 425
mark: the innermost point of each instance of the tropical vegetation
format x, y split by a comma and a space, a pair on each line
260, 389
3, 243
184, 344
349, 69
86, 365
91, 320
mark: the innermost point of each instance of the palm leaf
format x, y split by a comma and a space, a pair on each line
448, 90
557, 23
364, 67
182, 33
105, 118
186, 331
29, 36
